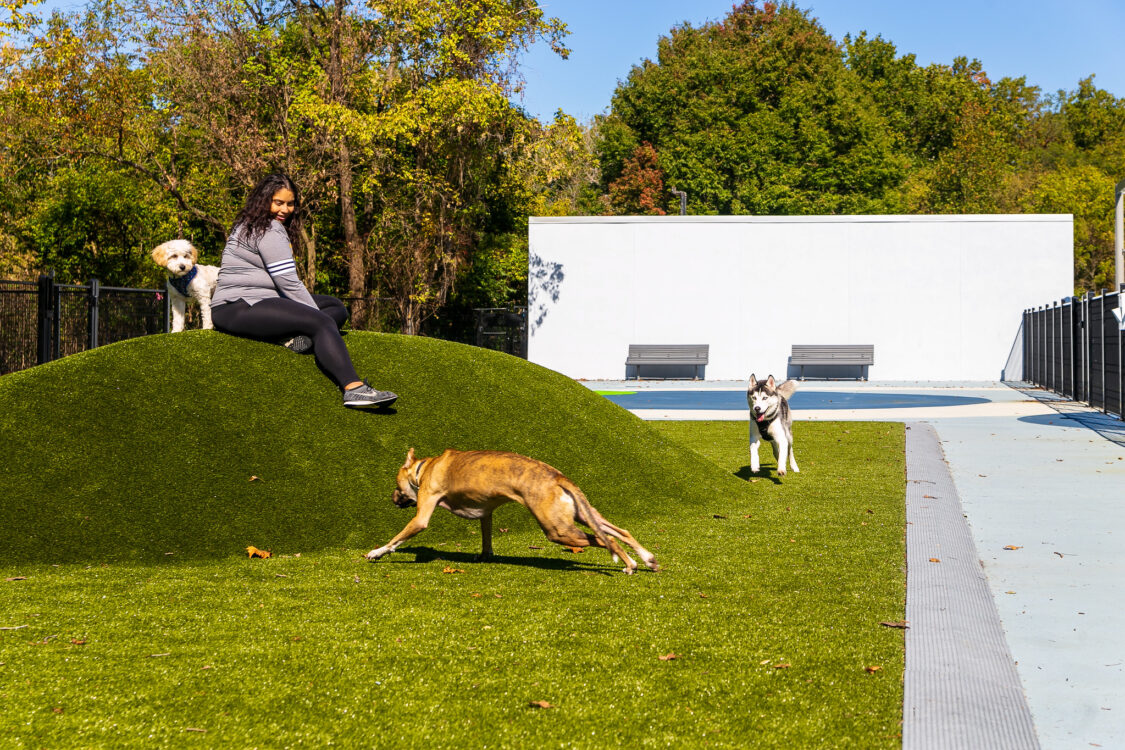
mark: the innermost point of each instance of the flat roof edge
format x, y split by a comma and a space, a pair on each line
850, 219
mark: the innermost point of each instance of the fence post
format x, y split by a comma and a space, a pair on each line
95, 289
46, 317
1073, 395
1121, 355
167, 307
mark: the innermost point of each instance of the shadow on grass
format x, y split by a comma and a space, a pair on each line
745, 474
429, 554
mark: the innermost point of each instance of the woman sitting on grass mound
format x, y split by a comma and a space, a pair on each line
259, 295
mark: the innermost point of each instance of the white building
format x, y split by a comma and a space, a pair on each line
939, 297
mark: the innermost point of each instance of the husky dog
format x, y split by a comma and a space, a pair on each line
769, 416
186, 278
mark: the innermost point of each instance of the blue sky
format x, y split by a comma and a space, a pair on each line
1054, 44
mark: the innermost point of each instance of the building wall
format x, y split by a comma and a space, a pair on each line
940, 297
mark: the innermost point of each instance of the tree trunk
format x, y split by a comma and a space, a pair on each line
308, 236
357, 277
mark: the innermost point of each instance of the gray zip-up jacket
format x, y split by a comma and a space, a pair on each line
258, 269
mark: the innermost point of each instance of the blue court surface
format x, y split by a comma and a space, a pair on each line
736, 400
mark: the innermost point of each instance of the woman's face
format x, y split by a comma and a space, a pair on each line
282, 204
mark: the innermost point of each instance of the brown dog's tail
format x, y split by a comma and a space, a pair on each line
588, 514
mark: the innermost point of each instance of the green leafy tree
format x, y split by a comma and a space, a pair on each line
755, 114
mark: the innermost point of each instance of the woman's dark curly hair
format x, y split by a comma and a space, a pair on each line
256, 215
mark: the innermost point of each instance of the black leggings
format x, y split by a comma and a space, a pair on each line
278, 318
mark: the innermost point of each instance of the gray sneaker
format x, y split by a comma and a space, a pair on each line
365, 396
301, 344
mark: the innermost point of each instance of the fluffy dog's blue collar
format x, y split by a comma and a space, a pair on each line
181, 283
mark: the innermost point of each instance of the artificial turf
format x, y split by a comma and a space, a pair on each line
132, 476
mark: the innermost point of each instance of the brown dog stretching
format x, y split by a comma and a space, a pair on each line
472, 484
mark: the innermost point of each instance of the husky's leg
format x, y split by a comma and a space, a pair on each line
755, 443
780, 452
793, 460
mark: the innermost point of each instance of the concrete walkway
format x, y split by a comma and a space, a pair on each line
1041, 482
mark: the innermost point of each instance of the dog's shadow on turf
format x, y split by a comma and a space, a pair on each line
745, 474
429, 554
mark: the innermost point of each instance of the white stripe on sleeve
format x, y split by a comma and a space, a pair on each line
282, 267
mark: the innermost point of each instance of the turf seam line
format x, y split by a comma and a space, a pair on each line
960, 684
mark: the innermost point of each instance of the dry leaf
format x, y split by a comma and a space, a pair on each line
252, 551
786, 665
448, 569
929, 497
1011, 546
669, 657
934, 559
77, 642
532, 546
16, 578
476, 596
717, 515
539, 704
895, 624
764, 662
702, 595
872, 669
576, 550
503, 531
254, 479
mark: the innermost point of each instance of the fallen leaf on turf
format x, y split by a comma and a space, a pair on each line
476, 596
253, 551
1011, 546
77, 642
57, 710
532, 546
669, 657
934, 559
254, 479
872, 669
448, 569
786, 665
702, 595
539, 704
576, 550
16, 578
503, 531
717, 515
764, 662
895, 624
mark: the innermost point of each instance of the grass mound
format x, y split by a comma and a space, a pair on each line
763, 629
197, 444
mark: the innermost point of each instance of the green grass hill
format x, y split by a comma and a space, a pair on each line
197, 444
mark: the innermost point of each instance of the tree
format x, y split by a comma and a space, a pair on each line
756, 114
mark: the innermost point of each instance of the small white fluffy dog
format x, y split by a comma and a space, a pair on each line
186, 279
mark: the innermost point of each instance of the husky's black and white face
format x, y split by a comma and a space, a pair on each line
763, 399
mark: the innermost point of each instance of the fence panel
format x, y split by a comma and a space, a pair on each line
1076, 348
19, 304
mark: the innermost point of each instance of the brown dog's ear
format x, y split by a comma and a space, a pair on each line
159, 256
409, 459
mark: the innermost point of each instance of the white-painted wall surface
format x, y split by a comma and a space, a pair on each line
940, 297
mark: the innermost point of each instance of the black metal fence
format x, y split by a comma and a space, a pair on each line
43, 321
1074, 348
503, 329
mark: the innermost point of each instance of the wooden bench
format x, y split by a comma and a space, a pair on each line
860, 355
668, 354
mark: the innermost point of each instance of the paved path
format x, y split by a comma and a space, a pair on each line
1033, 472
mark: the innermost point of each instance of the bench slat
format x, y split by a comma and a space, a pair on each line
667, 354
